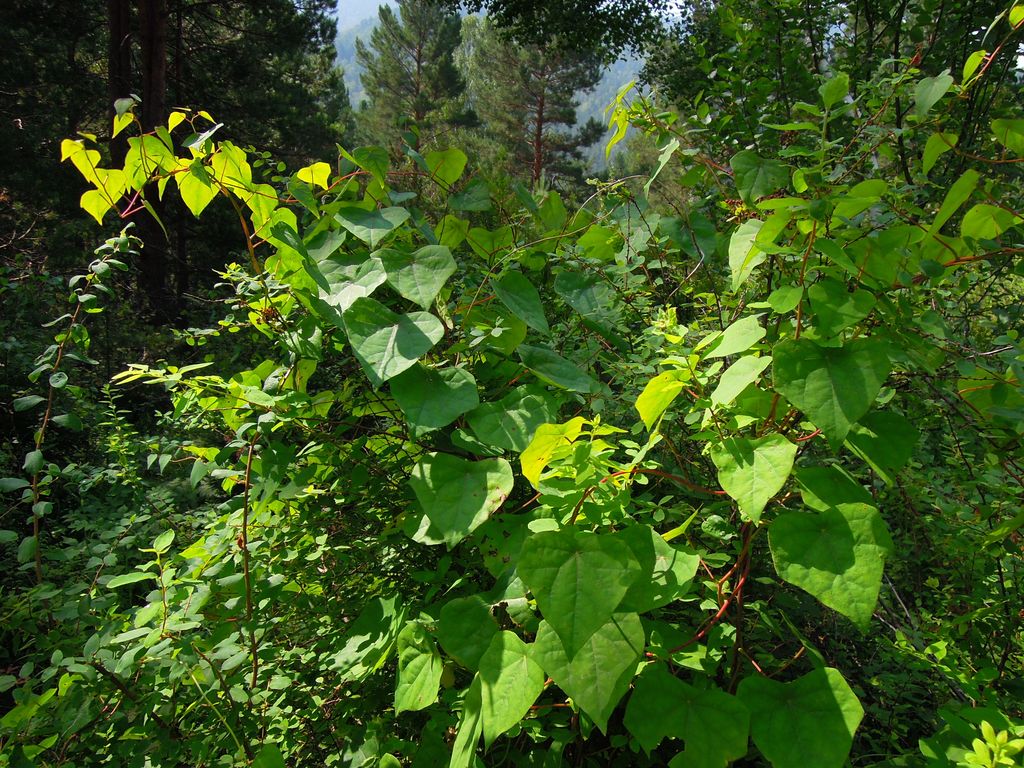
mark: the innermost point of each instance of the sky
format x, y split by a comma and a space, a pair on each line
351, 12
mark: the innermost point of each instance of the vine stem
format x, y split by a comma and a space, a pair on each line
247, 575
803, 273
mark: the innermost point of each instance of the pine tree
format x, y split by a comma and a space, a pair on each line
526, 98
409, 72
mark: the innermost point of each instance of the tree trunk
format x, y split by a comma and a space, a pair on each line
119, 66
538, 136
153, 266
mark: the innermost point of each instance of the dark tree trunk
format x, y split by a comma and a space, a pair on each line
119, 66
153, 267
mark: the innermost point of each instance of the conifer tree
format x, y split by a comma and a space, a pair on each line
525, 96
409, 72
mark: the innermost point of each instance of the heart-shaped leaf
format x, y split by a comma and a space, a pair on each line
431, 399
665, 571
578, 578
458, 495
752, 471
371, 226
885, 440
757, 176
836, 555
714, 725
465, 628
418, 276
510, 423
597, 677
834, 386
386, 343
419, 669
518, 294
835, 308
511, 680
551, 366
810, 721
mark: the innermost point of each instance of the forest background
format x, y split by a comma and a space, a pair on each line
451, 428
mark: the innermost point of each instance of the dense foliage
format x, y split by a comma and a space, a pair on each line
717, 465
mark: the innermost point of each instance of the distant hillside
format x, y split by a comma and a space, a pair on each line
593, 104
345, 44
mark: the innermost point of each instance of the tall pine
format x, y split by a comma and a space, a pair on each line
409, 73
525, 96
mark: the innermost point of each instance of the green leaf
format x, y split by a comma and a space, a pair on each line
431, 398
822, 488
589, 294
419, 669
834, 386
738, 377
470, 728
599, 243
269, 756
937, 145
457, 495
316, 175
552, 367
369, 640
510, 423
836, 555
58, 380
375, 160
446, 166
836, 308
27, 402
578, 579
518, 294
419, 276
753, 471
488, 244
665, 571
476, 197
670, 148
971, 65
785, 299
744, 255
957, 196
163, 542
738, 337
658, 395
885, 440
987, 222
1010, 133
27, 549
69, 421
548, 439
714, 725
8, 484
598, 675
34, 462
340, 281
465, 628
928, 92
129, 578
510, 682
386, 343
756, 176
196, 188
374, 226
834, 90
812, 717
